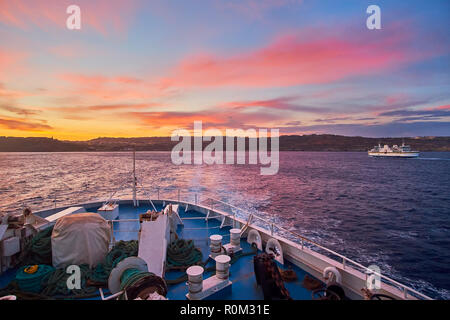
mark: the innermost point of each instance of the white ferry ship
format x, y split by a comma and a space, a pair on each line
404, 151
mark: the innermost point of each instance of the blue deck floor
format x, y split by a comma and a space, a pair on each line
241, 272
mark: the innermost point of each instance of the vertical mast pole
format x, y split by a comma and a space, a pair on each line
134, 178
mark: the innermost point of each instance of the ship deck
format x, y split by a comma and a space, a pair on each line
244, 285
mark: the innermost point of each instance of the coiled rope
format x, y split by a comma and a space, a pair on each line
39, 249
50, 283
182, 254
130, 276
55, 285
136, 282
31, 278
121, 251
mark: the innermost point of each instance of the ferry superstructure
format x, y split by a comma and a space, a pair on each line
403, 151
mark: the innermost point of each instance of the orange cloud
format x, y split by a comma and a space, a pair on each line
211, 118
23, 125
20, 111
106, 107
108, 88
93, 80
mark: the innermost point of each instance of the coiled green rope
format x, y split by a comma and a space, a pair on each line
182, 254
134, 283
33, 282
39, 249
131, 276
54, 284
121, 251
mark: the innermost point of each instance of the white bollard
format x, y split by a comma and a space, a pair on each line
222, 266
235, 237
216, 245
195, 279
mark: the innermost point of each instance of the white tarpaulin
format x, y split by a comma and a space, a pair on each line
80, 238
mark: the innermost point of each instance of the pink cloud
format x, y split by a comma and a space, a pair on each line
281, 103
9, 62
103, 16
396, 98
278, 103
308, 58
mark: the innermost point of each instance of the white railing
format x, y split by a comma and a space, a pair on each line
212, 203
303, 240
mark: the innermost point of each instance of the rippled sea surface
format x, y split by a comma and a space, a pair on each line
394, 213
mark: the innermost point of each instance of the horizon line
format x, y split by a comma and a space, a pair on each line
281, 135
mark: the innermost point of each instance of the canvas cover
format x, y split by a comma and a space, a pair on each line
80, 238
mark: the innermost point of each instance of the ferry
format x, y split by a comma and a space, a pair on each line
174, 245
404, 151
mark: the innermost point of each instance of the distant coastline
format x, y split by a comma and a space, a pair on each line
323, 142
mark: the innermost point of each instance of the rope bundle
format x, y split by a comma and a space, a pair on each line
121, 251
50, 283
33, 282
182, 254
39, 249
137, 283
55, 285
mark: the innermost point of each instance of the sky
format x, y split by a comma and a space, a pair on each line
148, 67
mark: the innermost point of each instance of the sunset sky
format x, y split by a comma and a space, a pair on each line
146, 67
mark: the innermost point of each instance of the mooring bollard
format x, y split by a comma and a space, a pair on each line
222, 266
195, 279
216, 245
235, 237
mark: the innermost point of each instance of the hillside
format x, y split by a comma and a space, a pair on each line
287, 143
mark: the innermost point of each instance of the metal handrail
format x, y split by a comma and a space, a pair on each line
344, 258
303, 239
250, 215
